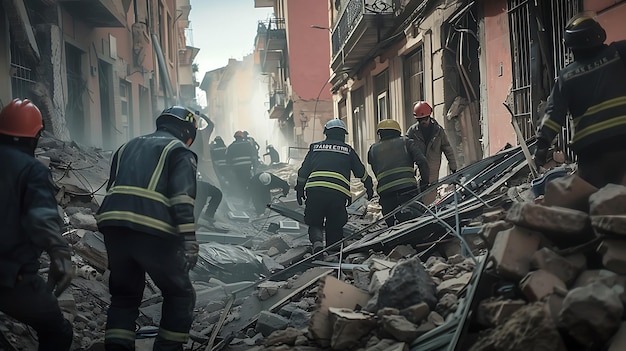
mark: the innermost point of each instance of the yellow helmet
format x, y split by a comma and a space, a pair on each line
388, 124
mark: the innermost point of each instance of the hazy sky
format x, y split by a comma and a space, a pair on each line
223, 29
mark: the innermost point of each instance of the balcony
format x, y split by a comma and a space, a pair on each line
277, 105
361, 26
263, 3
275, 45
98, 13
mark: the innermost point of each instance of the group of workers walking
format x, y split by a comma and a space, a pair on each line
324, 177
147, 216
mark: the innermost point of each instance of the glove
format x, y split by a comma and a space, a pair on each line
191, 254
541, 154
300, 194
60, 275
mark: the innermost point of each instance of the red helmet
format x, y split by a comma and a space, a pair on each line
21, 118
422, 109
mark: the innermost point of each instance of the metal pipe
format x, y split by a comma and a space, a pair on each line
163, 68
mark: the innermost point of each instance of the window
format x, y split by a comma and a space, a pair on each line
413, 82
359, 126
170, 38
126, 109
381, 89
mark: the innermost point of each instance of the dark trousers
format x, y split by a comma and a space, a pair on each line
325, 209
206, 190
602, 168
30, 302
391, 200
131, 255
241, 175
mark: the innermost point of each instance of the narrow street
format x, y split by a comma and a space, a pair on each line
503, 239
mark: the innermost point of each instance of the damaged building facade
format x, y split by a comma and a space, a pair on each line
99, 70
465, 58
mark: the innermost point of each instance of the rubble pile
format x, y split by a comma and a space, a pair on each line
561, 263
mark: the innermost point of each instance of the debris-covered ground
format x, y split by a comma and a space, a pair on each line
489, 267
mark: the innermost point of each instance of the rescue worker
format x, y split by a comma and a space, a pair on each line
256, 146
393, 159
31, 225
593, 89
260, 188
208, 199
272, 153
240, 156
217, 149
324, 182
147, 218
433, 141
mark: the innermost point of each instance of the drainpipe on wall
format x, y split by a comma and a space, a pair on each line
165, 76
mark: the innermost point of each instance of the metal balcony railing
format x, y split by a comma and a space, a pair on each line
352, 14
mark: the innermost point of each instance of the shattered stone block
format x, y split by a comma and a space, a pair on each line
512, 251
489, 231
609, 224
554, 304
349, 327
589, 276
401, 251
269, 322
561, 225
377, 280
550, 261
408, 284
613, 255
416, 313
493, 215
538, 284
609, 200
400, 328
570, 191
591, 313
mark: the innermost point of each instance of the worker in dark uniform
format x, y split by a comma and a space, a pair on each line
148, 225
31, 224
324, 182
393, 159
217, 148
272, 153
208, 199
240, 156
432, 139
257, 147
593, 90
260, 188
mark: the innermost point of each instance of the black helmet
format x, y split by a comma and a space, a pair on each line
584, 32
180, 121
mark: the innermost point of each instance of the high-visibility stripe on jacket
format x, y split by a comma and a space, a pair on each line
392, 162
593, 91
152, 187
240, 153
218, 155
327, 167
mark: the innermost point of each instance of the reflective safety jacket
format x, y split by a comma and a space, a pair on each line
31, 222
392, 161
240, 153
152, 187
593, 90
327, 167
218, 154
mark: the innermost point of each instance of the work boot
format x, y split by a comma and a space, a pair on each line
317, 247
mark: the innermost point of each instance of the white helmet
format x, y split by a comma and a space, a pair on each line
265, 178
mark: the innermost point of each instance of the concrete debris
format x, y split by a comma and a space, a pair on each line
537, 274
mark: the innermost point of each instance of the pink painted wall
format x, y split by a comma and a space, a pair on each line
309, 48
612, 19
498, 53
